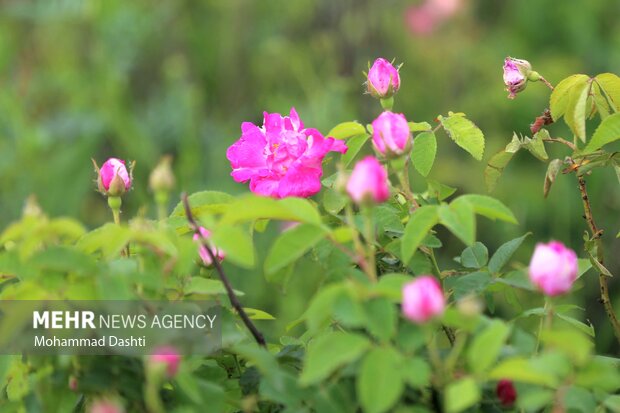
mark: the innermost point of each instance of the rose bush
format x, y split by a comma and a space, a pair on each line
388, 329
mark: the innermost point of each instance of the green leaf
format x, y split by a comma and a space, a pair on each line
438, 190
475, 256
465, 133
486, 346
575, 116
536, 145
495, 168
416, 372
291, 245
346, 130
419, 126
205, 201
459, 218
206, 286
608, 131
558, 102
252, 207
236, 242
423, 152
354, 146
461, 395
110, 239
552, 172
378, 387
504, 253
329, 352
489, 207
420, 223
581, 326
381, 318
610, 85
256, 314
473, 283
524, 370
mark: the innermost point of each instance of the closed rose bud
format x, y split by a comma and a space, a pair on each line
114, 179
553, 268
202, 250
162, 177
391, 135
106, 406
516, 74
368, 182
423, 299
167, 357
383, 79
506, 393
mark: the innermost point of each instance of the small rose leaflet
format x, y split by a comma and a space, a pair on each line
282, 158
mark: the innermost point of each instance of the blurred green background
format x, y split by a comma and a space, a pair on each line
138, 79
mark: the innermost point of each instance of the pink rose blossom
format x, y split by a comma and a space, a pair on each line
553, 268
383, 79
114, 180
281, 158
168, 356
424, 19
390, 134
106, 406
515, 75
423, 299
202, 250
368, 182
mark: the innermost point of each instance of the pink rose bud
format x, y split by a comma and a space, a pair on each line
553, 268
506, 393
383, 79
106, 406
516, 74
368, 182
114, 179
391, 135
204, 254
167, 356
423, 299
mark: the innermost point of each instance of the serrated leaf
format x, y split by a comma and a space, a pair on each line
378, 387
486, 346
465, 133
475, 256
419, 126
504, 253
461, 395
552, 172
608, 131
459, 218
421, 221
576, 113
423, 152
291, 245
610, 85
354, 145
346, 130
329, 352
558, 102
489, 207
536, 146
495, 168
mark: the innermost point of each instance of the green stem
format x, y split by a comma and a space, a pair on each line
115, 202
434, 357
387, 103
359, 247
403, 177
161, 199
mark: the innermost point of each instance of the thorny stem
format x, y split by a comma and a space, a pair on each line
234, 301
562, 141
596, 234
403, 176
546, 82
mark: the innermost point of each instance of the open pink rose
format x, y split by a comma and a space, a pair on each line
423, 299
368, 182
202, 250
114, 179
383, 79
281, 158
169, 357
553, 268
390, 134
